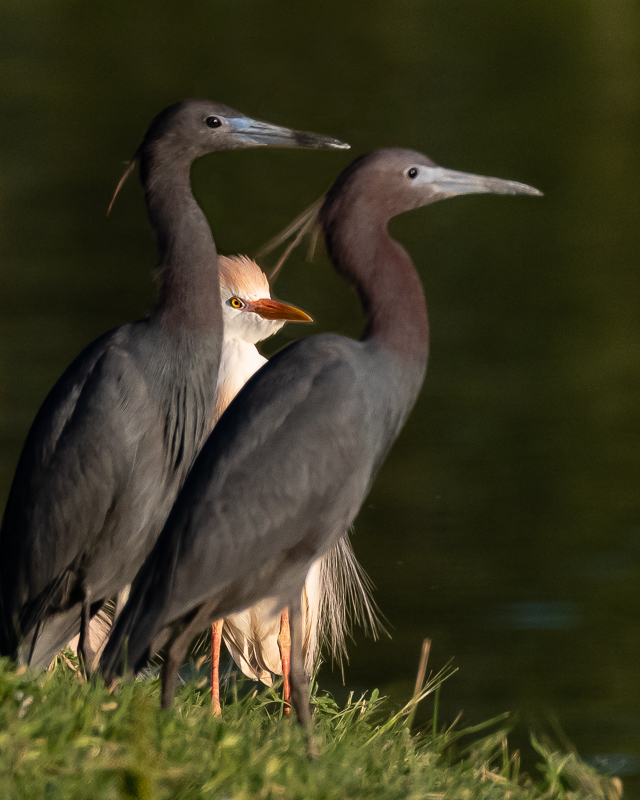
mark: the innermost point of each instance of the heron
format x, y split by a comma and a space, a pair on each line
289, 464
118, 433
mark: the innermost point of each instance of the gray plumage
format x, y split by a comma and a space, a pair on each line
290, 462
114, 440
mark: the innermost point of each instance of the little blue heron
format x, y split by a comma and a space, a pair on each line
116, 437
335, 587
291, 461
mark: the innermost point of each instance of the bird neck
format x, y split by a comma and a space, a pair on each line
238, 362
387, 283
189, 296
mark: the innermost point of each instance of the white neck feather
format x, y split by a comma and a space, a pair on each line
238, 363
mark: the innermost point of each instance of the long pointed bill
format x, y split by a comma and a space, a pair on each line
272, 309
450, 182
253, 132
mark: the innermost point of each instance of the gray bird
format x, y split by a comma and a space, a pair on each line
292, 459
116, 437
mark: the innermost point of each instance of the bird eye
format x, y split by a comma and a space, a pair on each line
412, 173
213, 122
236, 302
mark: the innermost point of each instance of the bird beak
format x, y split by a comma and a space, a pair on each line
252, 132
272, 309
450, 183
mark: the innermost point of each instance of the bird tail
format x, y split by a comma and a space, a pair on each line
51, 636
17, 631
339, 594
62, 629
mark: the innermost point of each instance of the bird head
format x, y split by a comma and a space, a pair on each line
248, 312
389, 182
192, 128
197, 127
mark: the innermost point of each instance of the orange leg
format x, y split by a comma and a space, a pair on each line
216, 638
284, 643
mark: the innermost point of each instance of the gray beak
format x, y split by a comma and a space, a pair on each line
252, 132
451, 183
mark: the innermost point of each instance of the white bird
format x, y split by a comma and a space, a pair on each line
336, 590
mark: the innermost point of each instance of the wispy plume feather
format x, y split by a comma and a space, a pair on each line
127, 172
306, 223
342, 594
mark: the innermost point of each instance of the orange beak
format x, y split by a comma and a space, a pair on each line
272, 309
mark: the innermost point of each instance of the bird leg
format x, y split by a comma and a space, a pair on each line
85, 651
169, 674
216, 638
177, 650
284, 645
299, 683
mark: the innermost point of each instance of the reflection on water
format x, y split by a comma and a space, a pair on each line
537, 616
616, 763
505, 523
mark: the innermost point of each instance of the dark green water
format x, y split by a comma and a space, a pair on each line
505, 524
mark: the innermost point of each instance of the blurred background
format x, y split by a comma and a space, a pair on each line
505, 524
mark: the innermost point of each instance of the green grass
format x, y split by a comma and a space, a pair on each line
63, 737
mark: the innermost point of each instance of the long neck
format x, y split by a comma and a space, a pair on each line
189, 298
386, 281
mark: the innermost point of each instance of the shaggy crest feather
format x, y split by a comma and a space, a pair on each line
241, 275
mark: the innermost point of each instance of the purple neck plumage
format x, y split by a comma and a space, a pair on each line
189, 297
380, 269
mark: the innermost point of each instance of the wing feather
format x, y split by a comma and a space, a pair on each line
298, 438
70, 469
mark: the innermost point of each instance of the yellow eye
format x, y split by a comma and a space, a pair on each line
235, 302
